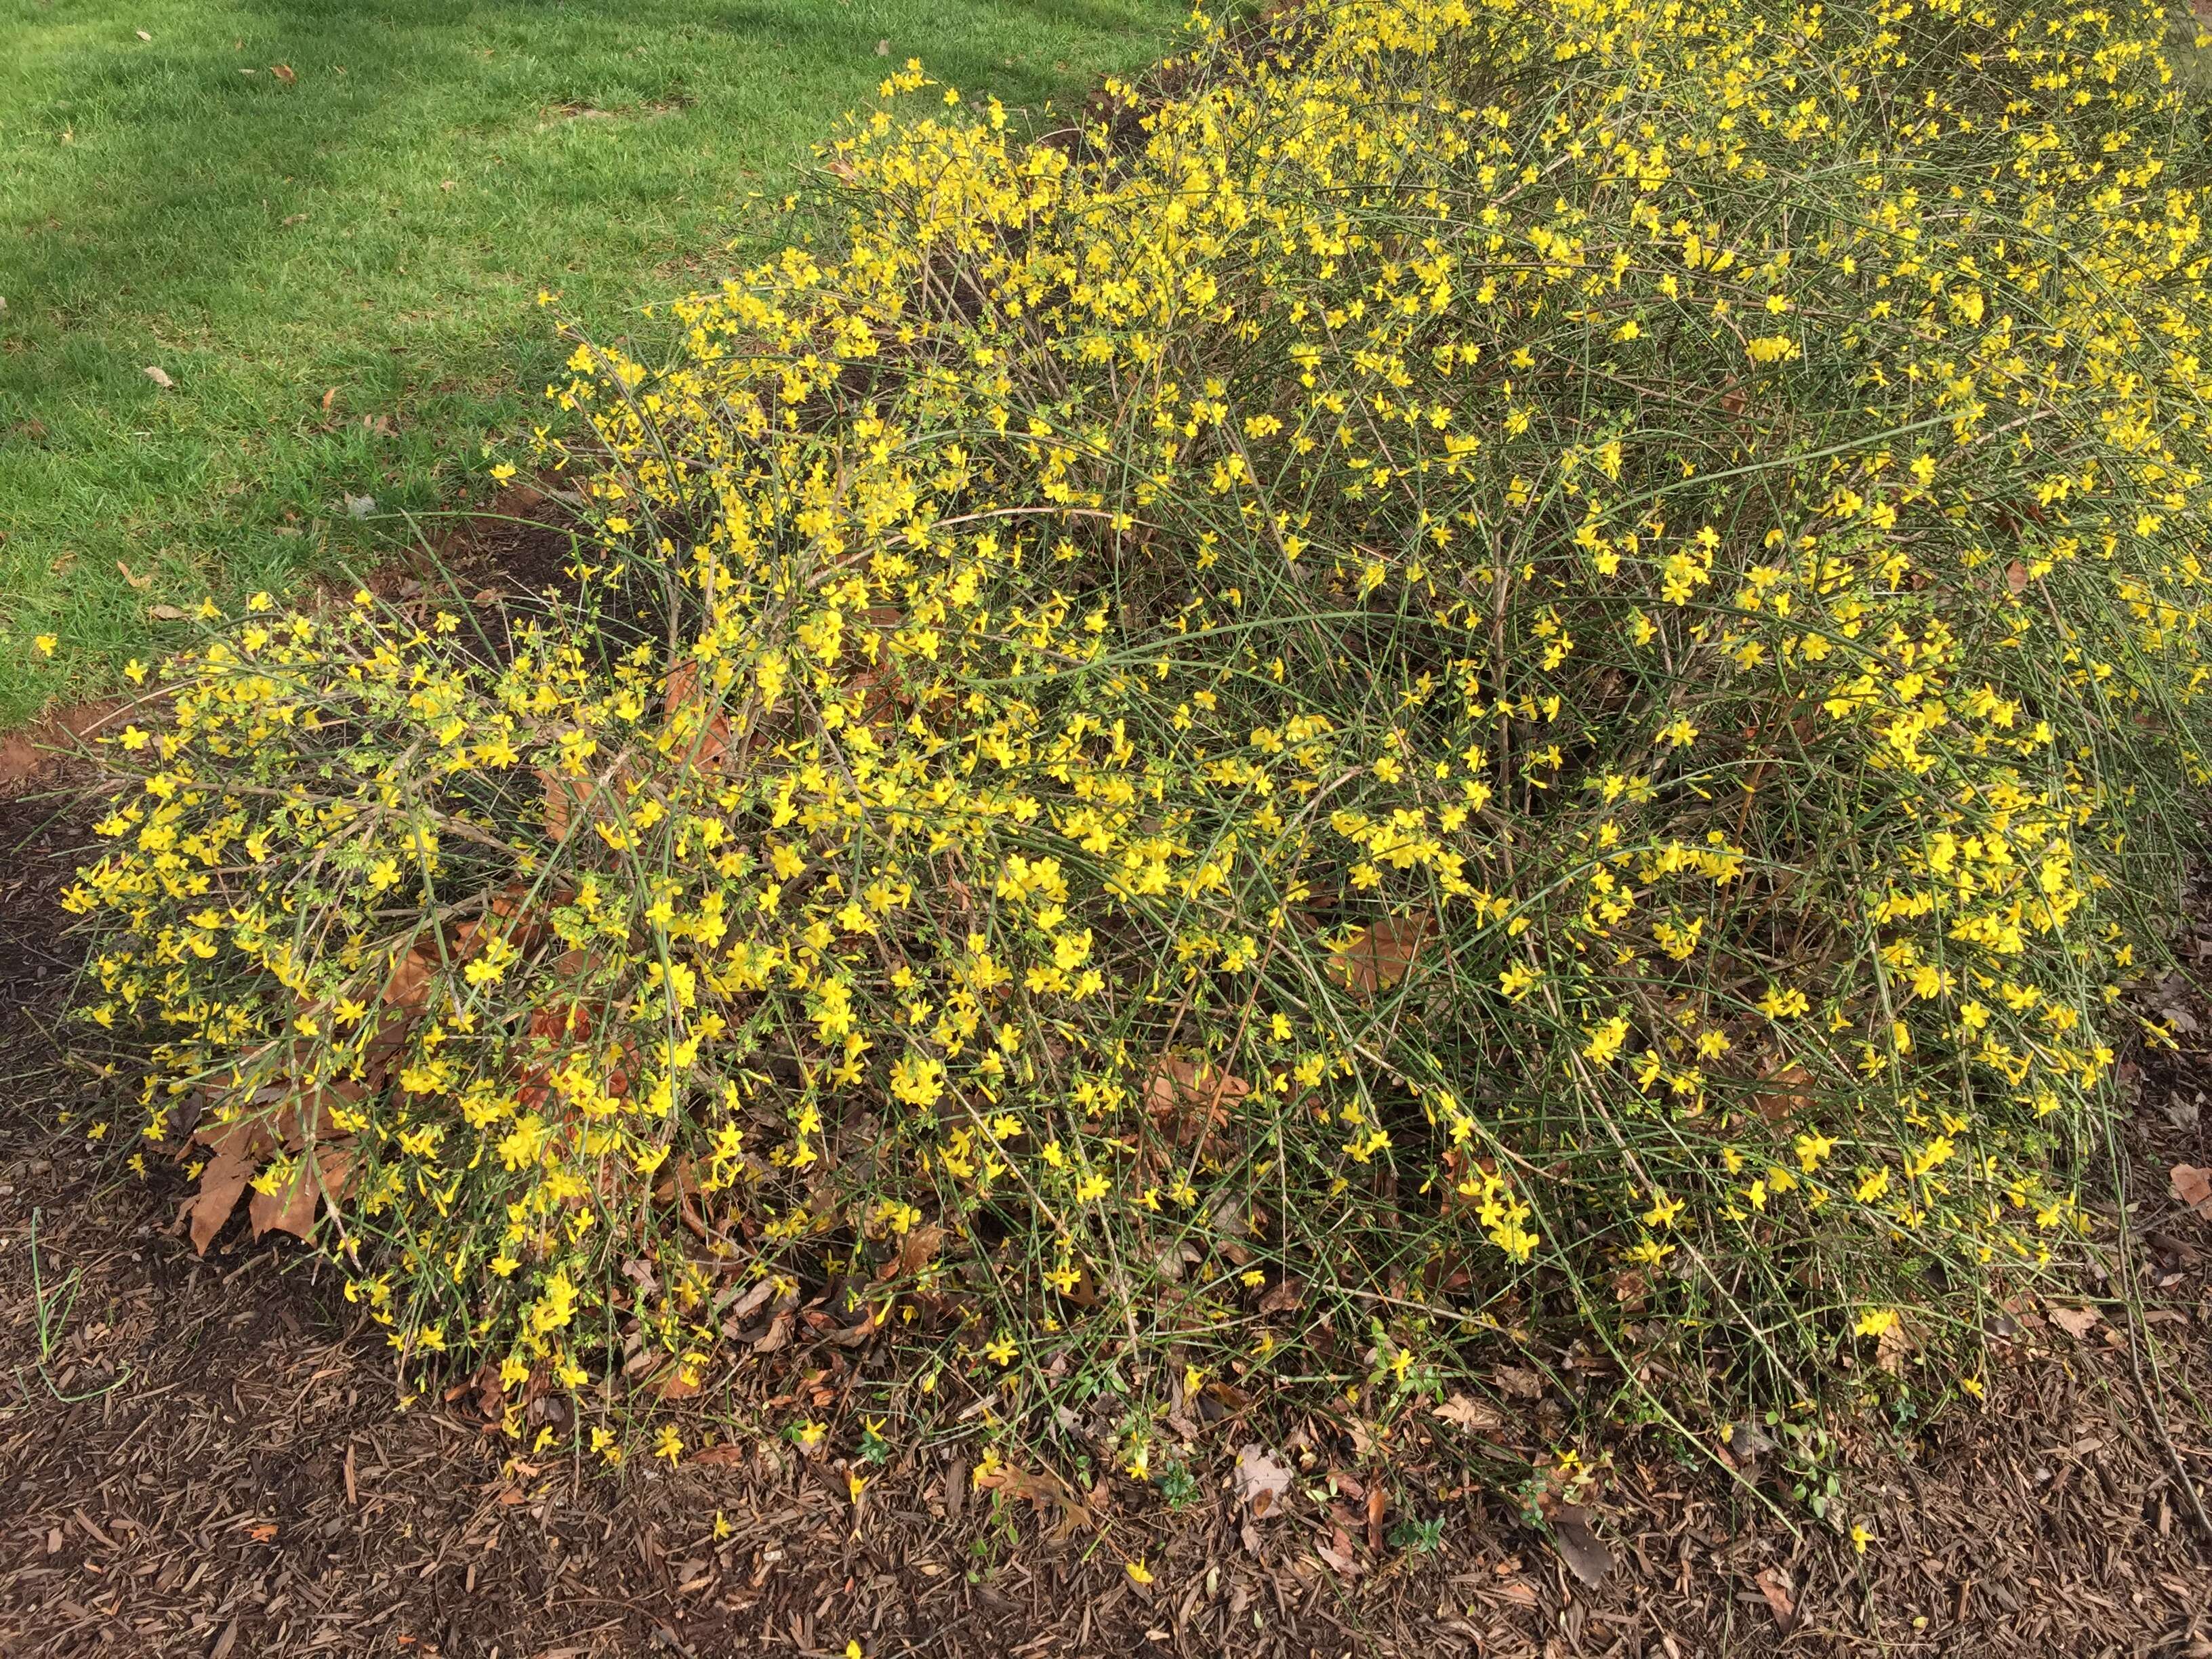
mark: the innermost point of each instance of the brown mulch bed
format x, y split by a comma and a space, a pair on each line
206, 1457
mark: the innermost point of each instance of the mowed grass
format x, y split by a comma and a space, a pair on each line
336, 262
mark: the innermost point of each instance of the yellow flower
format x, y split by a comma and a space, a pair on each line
1138, 1572
669, 1445
1779, 1003
918, 1080
46, 642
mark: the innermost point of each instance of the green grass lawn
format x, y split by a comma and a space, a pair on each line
336, 266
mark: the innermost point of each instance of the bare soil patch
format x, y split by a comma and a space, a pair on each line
44, 747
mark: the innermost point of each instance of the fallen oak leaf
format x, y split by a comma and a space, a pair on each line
291, 1208
1188, 1101
227, 1171
1375, 958
743, 1305
1780, 1095
1463, 1411
917, 1249
246, 1136
1776, 1589
408, 986
1891, 1349
703, 730
2193, 1186
306, 1119
1518, 1381
565, 794
1260, 1481
851, 1336
1748, 1440
1579, 1547
1045, 1490
1336, 1554
678, 1382
2076, 1322
559, 803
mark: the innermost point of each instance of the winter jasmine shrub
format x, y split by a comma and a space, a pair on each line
1474, 672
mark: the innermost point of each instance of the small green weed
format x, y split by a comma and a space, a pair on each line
51, 1307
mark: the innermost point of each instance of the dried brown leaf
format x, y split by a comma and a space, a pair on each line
1379, 957
916, 1250
1776, 1589
1781, 1095
851, 1336
1580, 1547
1188, 1101
246, 1138
1476, 1417
228, 1169
702, 729
1891, 1349
1282, 1296
677, 1383
1518, 1382
1260, 1481
560, 802
291, 1208
743, 1305
408, 987
2193, 1186
2076, 1322
1048, 1491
